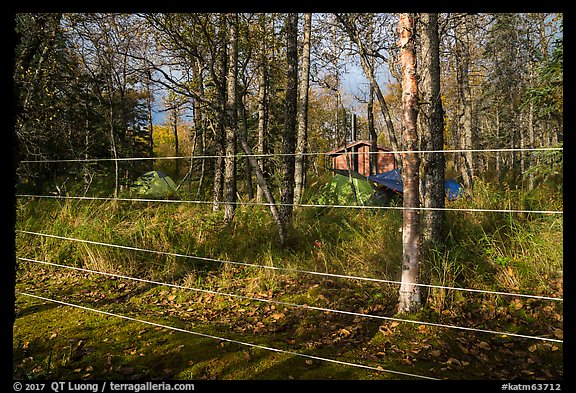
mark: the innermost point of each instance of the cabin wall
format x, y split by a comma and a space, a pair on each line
385, 163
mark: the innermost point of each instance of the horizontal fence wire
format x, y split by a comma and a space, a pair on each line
289, 270
242, 203
305, 306
303, 355
267, 155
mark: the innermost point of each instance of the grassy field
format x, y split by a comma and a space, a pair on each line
498, 252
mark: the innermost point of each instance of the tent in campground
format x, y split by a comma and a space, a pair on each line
392, 180
154, 184
338, 190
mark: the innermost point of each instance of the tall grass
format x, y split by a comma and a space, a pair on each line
505, 251
498, 251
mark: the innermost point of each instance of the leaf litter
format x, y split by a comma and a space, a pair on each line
428, 350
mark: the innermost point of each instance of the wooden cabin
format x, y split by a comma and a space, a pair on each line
359, 158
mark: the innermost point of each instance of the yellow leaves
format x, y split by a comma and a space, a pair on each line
278, 315
517, 304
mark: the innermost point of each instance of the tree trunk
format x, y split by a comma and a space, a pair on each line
231, 120
219, 74
302, 137
243, 125
409, 299
373, 134
175, 115
465, 95
432, 134
200, 124
262, 184
149, 98
218, 164
262, 110
287, 193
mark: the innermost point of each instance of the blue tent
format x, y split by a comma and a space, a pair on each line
453, 189
393, 181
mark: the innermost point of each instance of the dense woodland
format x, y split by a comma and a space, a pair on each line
86, 85
272, 84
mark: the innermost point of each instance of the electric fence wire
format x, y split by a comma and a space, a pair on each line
107, 313
242, 203
264, 155
306, 306
289, 270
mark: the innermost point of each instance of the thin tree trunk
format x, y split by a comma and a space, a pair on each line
149, 112
262, 110
373, 134
302, 137
200, 124
373, 159
203, 165
114, 151
176, 142
243, 124
263, 185
432, 134
409, 299
231, 120
466, 121
219, 133
218, 164
287, 194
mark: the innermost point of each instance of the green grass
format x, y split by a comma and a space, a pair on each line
491, 251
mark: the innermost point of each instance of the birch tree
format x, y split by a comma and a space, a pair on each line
230, 119
409, 299
465, 121
301, 142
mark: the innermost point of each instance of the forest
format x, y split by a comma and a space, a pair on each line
250, 267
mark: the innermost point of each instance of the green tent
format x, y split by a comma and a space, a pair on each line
154, 184
339, 192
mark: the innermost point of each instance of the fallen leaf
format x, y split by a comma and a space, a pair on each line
484, 345
559, 333
532, 348
454, 361
277, 315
